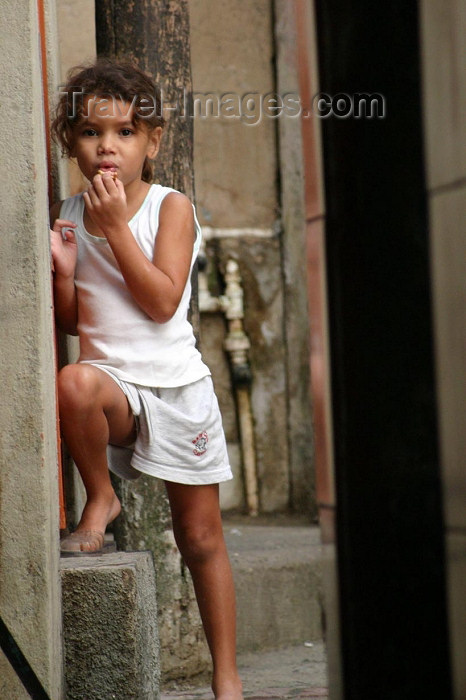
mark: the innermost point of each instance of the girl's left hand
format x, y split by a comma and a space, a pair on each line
105, 202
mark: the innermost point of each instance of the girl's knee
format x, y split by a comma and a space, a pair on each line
198, 542
77, 386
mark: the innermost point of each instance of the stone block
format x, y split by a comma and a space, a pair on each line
10, 685
444, 81
110, 627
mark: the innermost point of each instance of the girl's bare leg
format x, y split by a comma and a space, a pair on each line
199, 534
93, 412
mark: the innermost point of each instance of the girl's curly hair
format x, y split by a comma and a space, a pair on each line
121, 79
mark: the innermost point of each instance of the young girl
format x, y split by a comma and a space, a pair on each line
123, 252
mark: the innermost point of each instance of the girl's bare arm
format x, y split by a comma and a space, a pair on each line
64, 255
156, 285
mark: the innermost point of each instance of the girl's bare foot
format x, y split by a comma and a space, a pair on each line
99, 511
84, 541
89, 534
228, 690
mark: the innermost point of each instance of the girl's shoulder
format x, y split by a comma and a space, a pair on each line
158, 192
155, 198
161, 195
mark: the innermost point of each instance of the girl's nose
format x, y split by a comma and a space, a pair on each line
106, 144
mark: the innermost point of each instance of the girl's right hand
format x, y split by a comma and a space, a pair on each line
64, 248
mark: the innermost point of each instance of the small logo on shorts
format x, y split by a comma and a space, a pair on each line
200, 444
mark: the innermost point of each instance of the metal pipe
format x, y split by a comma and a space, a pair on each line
246, 430
237, 344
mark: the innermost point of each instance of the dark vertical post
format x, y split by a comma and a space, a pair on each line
389, 518
155, 35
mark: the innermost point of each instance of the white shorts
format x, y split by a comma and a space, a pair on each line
180, 435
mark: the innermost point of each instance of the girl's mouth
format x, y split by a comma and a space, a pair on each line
111, 169
107, 167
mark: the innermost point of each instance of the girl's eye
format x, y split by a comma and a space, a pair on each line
126, 132
89, 132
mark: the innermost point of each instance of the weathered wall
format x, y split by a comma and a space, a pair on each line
240, 180
236, 162
29, 526
297, 271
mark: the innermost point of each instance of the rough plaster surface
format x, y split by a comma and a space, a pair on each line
236, 49
234, 162
295, 262
110, 627
10, 685
29, 529
259, 262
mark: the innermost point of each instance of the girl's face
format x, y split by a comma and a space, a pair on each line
106, 138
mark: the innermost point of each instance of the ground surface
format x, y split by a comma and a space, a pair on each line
298, 672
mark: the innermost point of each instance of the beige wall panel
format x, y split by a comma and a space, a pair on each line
76, 32
448, 239
443, 26
234, 160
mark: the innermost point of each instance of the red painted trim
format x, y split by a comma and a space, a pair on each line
45, 92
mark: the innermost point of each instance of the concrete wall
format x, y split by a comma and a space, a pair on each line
237, 170
444, 61
236, 167
29, 526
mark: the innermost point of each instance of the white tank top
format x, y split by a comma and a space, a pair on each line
114, 332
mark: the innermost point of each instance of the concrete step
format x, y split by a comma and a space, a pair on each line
278, 570
110, 626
